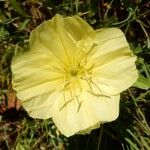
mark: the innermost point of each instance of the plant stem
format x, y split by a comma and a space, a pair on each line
100, 136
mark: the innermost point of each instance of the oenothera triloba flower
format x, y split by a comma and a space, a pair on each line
74, 74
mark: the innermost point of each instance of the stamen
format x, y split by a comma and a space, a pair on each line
66, 103
73, 77
79, 103
79, 85
98, 89
64, 97
90, 82
71, 93
98, 95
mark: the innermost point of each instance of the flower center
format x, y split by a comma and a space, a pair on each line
74, 72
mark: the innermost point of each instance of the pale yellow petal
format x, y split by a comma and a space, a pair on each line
83, 114
78, 28
41, 106
105, 34
53, 37
114, 63
111, 44
87, 131
34, 79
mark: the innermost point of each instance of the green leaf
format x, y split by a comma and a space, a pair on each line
20, 147
24, 25
18, 8
142, 83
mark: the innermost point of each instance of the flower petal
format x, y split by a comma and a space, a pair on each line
41, 106
34, 79
84, 114
114, 63
78, 29
52, 36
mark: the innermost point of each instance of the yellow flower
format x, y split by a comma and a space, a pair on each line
74, 74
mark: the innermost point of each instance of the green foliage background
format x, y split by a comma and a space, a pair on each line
131, 131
